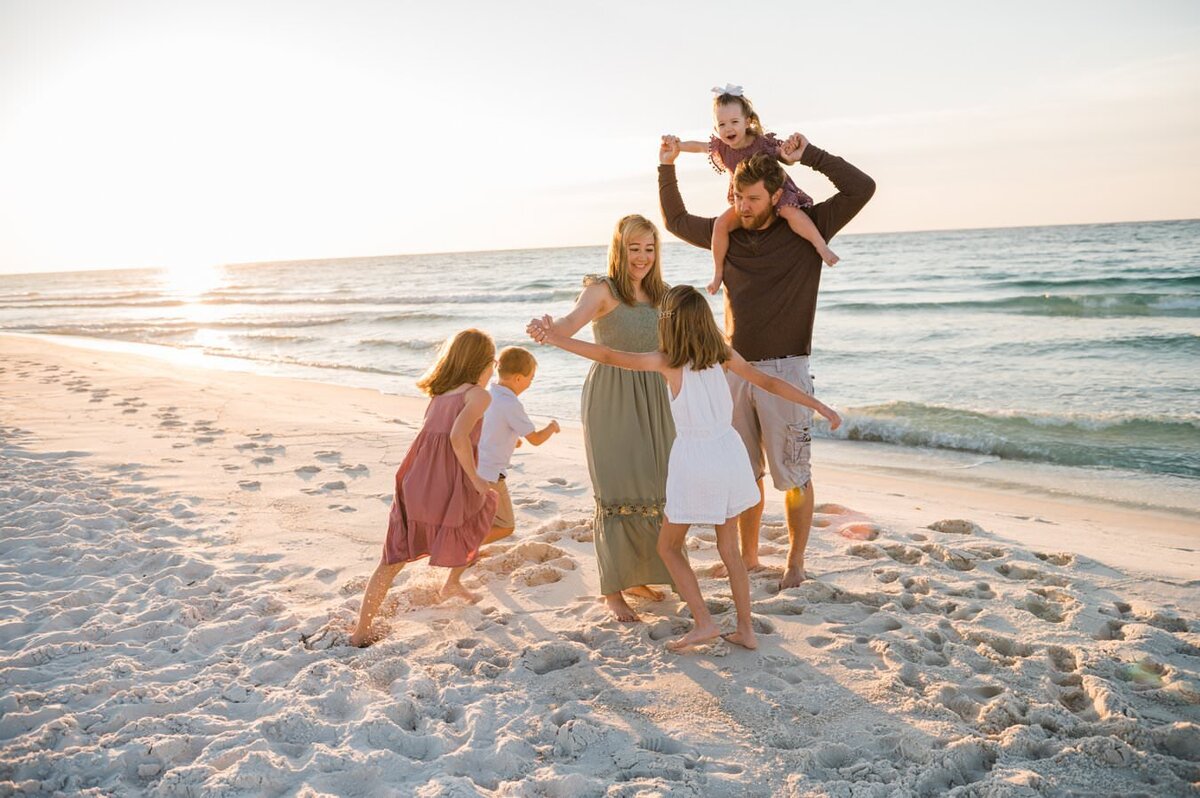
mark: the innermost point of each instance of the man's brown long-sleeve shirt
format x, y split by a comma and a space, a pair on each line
772, 275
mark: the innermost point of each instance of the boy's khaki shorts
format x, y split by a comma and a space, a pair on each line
772, 426
504, 509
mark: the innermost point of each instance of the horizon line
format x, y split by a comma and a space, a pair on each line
673, 240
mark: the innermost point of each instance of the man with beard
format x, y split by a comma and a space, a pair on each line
771, 281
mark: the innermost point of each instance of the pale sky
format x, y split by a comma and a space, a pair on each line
176, 135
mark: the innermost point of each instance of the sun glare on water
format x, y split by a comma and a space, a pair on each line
191, 282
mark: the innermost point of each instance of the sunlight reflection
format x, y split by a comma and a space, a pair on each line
190, 283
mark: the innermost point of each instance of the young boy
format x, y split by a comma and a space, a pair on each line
504, 424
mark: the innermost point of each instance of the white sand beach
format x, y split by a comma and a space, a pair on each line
183, 551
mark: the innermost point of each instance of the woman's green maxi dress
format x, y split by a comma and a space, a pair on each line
628, 431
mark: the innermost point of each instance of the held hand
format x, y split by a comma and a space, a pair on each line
537, 329
545, 326
668, 151
553, 426
480, 485
793, 148
831, 415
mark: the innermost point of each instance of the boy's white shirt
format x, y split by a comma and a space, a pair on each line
504, 422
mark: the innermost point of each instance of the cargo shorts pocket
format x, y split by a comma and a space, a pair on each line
796, 447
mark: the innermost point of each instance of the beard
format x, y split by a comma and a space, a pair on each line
759, 221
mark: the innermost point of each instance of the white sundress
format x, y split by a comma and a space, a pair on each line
709, 479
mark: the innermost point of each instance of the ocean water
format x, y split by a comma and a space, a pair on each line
1073, 345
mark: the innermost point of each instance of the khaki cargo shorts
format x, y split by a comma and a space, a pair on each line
777, 433
504, 509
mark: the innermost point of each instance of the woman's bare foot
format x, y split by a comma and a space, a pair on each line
646, 592
620, 610
794, 576
698, 635
828, 256
456, 590
745, 639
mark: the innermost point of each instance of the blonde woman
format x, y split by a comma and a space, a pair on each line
626, 417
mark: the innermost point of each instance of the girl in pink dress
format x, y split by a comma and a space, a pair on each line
739, 135
442, 509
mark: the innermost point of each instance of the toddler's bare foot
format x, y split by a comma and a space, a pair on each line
698, 635
745, 639
828, 256
456, 590
794, 576
646, 592
620, 610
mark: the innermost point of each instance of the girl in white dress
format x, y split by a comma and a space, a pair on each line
709, 480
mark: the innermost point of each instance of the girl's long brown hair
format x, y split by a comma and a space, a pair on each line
687, 332
461, 359
618, 260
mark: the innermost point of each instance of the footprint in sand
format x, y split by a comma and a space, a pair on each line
307, 472
906, 555
249, 484
859, 530
343, 508
956, 526
354, 471
528, 503
328, 456
1055, 558
263, 459
553, 655
1014, 570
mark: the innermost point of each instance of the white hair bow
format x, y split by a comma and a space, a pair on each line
736, 91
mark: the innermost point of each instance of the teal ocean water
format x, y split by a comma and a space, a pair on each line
1073, 345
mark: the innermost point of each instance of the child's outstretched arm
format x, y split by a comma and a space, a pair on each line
688, 146
738, 365
543, 331
540, 436
460, 434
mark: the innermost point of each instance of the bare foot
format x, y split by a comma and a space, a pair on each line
828, 256
646, 592
698, 635
794, 576
620, 610
456, 590
743, 639
365, 639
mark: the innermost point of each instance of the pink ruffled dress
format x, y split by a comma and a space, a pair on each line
436, 512
725, 159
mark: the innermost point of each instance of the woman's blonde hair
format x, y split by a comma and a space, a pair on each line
687, 332
461, 359
618, 260
753, 123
